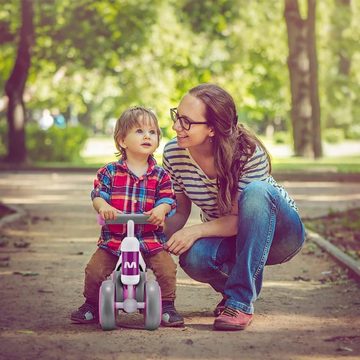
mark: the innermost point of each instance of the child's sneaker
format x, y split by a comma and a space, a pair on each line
170, 317
85, 314
232, 319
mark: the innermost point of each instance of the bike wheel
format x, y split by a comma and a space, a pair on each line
119, 291
140, 287
152, 311
107, 305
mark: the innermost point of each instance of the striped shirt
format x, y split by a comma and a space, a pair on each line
128, 193
188, 178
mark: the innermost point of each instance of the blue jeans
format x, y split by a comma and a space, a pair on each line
270, 232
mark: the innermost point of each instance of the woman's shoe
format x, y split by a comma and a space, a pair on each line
232, 319
220, 307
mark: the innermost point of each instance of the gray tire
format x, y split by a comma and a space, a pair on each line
140, 287
152, 311
119, 291
107, 305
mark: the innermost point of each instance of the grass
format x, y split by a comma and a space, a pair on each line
341, 228
343, 164
332, 164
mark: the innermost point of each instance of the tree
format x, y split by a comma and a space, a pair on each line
341, 84
303, 71
15, 86
76, 42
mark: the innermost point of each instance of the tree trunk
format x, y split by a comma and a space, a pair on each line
314, 88
304, 93
15, 86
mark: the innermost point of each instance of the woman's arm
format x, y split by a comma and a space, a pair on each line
183, 239
179, 219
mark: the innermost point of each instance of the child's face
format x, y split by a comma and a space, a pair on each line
142, 139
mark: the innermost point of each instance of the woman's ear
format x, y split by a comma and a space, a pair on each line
211, 131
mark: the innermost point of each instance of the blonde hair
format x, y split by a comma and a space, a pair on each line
134, 116
233, 143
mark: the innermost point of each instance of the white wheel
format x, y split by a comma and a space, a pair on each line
107, 305
152, 311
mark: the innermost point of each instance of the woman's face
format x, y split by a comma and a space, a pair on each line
192, 109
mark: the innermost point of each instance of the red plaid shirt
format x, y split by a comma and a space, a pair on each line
128, 193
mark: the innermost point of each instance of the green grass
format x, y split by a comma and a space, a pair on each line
344, 164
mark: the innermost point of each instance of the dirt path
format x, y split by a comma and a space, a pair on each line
308, 309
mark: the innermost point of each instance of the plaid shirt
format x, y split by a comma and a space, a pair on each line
128, 193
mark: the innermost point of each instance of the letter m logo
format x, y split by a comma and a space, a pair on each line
130, 265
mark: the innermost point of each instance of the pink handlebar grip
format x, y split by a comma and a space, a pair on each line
100, 220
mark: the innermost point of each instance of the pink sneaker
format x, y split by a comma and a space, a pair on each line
220, 307
232, 319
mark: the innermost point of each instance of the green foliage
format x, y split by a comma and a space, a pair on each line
3, 137
211, 17
93, 59
281, 137
55, 144
333, 135
353, 132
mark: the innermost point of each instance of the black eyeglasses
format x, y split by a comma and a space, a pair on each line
185, 122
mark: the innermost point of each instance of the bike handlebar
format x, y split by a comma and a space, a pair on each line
124, 218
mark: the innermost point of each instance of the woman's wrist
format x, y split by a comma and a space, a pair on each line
198, 230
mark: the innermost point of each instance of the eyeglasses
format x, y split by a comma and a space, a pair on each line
184, 121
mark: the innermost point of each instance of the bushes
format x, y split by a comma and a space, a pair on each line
282, 137
54, 144
3, 137
353, 132
333, 135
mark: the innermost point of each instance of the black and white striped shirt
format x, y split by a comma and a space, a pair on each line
188, 178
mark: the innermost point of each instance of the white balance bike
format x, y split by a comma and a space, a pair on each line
127, 288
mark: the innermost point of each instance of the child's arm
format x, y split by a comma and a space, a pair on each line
158, 213
106, 211
101, 193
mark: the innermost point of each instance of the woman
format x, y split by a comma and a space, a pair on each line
249, 221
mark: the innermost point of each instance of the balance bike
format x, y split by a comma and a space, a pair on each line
127, 288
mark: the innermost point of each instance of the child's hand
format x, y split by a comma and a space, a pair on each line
157, 214
107, 212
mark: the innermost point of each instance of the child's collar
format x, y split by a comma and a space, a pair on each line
151, 161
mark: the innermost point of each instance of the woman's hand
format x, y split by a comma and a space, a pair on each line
182, 240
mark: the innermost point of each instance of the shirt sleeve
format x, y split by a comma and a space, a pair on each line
169, 170
165, 194
102, 184
256, 168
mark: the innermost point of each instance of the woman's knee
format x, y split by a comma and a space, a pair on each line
254, 196
199, 260
190, 262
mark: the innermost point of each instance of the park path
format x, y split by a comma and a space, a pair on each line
308, 308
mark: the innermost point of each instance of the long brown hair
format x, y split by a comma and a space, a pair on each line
233, 143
